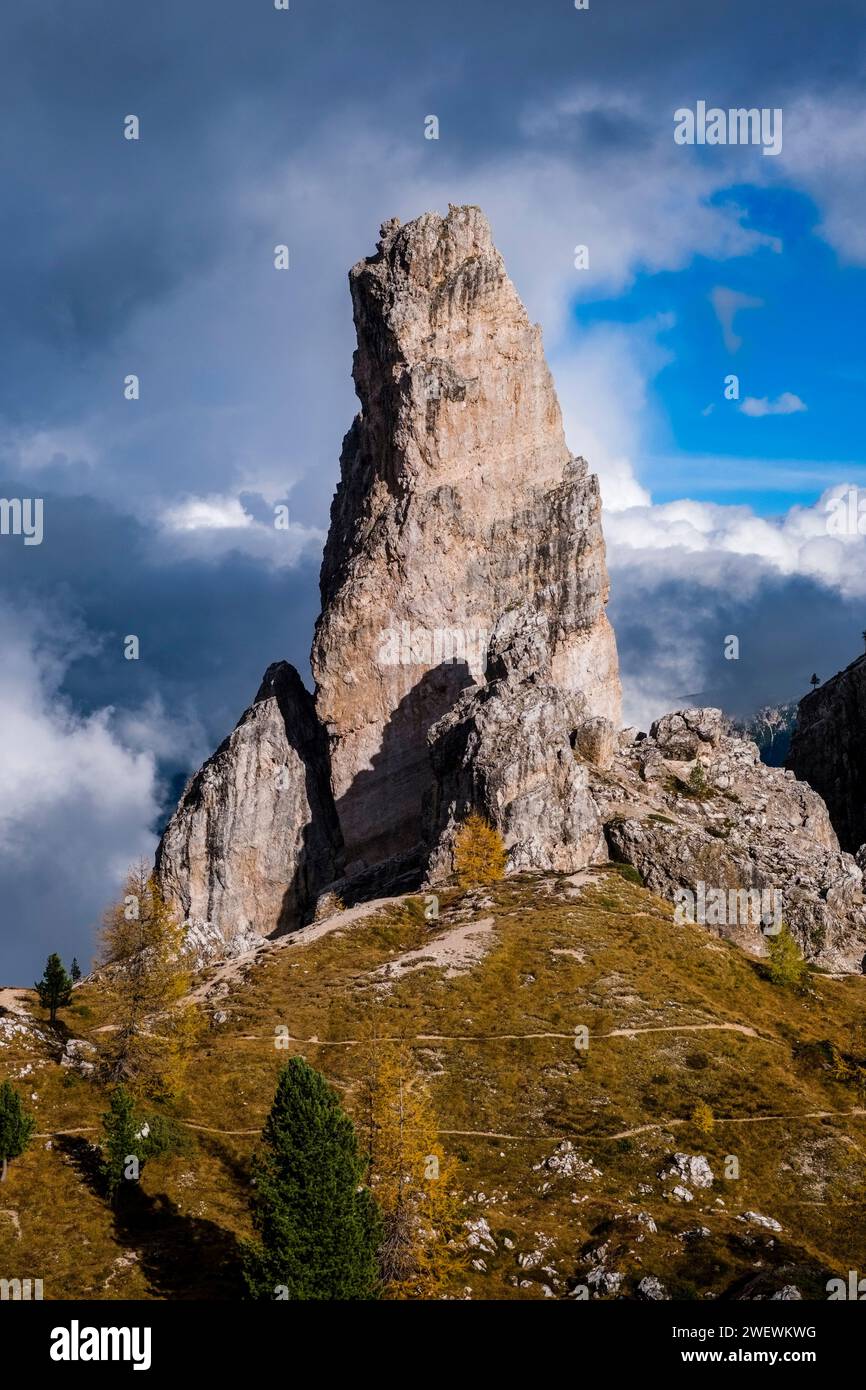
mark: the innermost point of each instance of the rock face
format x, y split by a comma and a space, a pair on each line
458, 500
828, 750
464, 662
732, 826
255, 836
507, 750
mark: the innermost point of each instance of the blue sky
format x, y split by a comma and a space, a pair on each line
807, 338
306, 127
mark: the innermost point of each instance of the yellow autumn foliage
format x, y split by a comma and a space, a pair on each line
480, 856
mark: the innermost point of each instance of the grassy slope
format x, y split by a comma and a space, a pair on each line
625, 966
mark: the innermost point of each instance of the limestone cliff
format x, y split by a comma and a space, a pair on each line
458, 499
255, 836
828, 750
464, 662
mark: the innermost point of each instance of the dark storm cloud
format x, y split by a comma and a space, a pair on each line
207, 630
672, 633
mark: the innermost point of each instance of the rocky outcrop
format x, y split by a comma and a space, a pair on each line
828, 750
693, 808
458, 500
507, 751
463, 662
255, 836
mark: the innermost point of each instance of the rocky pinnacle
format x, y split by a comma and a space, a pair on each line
458, 500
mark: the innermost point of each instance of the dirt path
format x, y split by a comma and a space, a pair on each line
523, 1037
646, 1129
534, 1138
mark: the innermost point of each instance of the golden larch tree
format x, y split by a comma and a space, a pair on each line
146, 979
480, 855
411, 1178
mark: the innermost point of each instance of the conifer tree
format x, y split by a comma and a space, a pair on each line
146, 980
16, 1126
55, 987
479, 853
130, 1140
317, 1226
75, 971
120, 1140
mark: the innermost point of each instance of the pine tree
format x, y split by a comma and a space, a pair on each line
130, 1140
318, 1229
480, 856
16, 1126
410, 1177
55, 987
75, 971
785, 964
146, 980
814, 680
697, 784
120, 1141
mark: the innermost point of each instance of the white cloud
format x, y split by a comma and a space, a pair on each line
76, 802
214, 513
170, 736
727, 304
209, 528
785, 404
602, 384
825, 154
803, 541
71, 450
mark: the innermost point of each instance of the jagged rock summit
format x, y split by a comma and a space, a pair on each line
458, 500
459, 506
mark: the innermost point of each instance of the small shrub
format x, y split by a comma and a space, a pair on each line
415, 911
479, 853
702, 1117
696, 784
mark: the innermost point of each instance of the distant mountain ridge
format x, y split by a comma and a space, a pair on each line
772, 728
